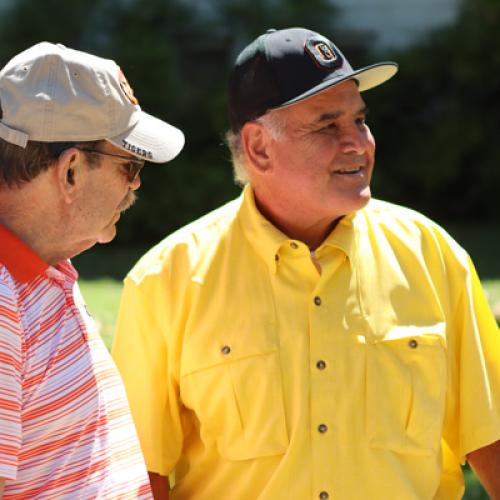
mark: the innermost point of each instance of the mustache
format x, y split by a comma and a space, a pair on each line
128, 201
351, 160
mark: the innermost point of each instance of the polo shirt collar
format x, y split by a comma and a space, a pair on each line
267, 239
20, 260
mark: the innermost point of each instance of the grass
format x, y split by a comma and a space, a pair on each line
103, 298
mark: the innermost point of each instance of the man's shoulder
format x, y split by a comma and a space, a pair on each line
389, 214
406, 224
382, 209
189, 243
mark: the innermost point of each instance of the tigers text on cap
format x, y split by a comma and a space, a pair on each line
51, 93
283, 67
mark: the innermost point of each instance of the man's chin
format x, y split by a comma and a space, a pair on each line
107, 235
364, 197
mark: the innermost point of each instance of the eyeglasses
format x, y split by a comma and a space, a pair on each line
132, 167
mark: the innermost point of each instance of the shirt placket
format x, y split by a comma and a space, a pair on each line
323, 365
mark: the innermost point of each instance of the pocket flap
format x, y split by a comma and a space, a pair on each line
423, 335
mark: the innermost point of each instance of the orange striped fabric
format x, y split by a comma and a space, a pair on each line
65, 425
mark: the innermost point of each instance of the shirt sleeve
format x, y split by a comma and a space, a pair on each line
10, 383
145, 363
476, 380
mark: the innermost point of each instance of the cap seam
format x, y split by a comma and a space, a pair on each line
48, 107
270, 70
110, 110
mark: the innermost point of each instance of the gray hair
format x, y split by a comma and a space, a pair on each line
273, 121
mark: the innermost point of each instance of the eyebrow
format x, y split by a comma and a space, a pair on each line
325, 117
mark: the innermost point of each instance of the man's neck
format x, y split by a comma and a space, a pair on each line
312, 234
24, 212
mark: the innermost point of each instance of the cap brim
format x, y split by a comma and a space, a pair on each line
374, 75
367, 78
151, 139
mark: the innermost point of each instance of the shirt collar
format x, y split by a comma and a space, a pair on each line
344, 236
21, 261
261, 234
267, 239
63, 272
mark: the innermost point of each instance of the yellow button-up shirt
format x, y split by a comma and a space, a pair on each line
257, 370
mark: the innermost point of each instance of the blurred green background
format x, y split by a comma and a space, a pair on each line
436, 124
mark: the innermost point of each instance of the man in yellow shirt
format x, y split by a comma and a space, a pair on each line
305, 341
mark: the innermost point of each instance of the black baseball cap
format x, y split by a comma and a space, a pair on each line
282, 67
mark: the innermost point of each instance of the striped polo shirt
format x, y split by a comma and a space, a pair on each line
65, 425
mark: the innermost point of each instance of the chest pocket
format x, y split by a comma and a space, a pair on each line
405, 390
237, 395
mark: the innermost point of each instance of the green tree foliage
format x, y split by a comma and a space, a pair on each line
437, 123
26, 22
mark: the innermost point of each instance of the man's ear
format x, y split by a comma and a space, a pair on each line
255, 141
68, 170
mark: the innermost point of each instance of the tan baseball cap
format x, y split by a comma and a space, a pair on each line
51, 93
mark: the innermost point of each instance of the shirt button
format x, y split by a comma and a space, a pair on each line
226, 350
276, 257
322, 428
320, 365
317, 300
324, 495
413, 344
294, 245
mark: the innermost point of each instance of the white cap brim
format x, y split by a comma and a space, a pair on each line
151, 139
374, 75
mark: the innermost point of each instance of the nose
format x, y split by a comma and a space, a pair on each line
355, 140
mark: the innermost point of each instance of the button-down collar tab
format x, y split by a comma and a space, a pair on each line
344, 237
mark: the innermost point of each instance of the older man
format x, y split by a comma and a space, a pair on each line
72, 142
305, 341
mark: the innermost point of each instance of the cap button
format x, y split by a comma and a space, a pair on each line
271, 30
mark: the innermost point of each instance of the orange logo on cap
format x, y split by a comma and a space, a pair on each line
323, 53
127, 89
